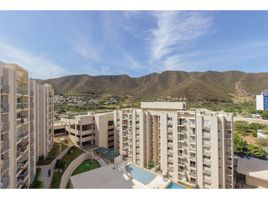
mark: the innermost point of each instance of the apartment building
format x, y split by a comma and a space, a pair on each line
194, 147
45, 109
18, 127
91, 129
262, 101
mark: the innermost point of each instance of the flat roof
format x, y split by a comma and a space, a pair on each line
253, 167
164, 105
107, 153
106, 177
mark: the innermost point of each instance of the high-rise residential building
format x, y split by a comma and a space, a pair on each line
45, 109
18, 127
194, 147
262, 101
91, 129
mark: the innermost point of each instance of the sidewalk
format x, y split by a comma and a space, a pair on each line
45, 168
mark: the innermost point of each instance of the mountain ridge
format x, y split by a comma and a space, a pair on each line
194, 86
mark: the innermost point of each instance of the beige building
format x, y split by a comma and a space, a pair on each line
194, 147
252, 173
18, 127
91, 129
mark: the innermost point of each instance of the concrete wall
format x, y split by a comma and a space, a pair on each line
256, 182
72, 167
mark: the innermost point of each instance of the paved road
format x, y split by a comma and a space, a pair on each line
261, 121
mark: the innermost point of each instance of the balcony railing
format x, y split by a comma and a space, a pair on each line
4, 107
4, 127
206, 135
21, 134
207, 161
207, 170
4, 166
22, 105
4, 89
4, 182
22, 91
207, 180
207, 144
5, 146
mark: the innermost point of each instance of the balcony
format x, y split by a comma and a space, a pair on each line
21, 134
192, 148
4, 127
229, 162
170, 137
22, 106
207, 170
4, 146
206, 135
5, 182
206, 161
207, 181
22, 91
4, 166
191, 124
206, 153
207, 144
229, 172
192, 174
191, 141
4, 107
4, 89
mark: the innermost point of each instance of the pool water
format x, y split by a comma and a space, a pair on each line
140, 175
174, 186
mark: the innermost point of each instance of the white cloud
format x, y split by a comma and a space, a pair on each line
37, 65
175, 32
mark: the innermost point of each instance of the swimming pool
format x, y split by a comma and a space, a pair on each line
140, 175
174, 186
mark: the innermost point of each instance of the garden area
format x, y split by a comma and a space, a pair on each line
62, 164
56, 149
85, 166
246, 142
36, 183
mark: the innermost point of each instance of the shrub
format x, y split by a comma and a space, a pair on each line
150, 165
60, 164
256, 151
264, 114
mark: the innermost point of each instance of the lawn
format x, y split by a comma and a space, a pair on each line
52, 154
85, 166
62, 164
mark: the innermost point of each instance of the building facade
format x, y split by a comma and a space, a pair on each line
18, 127
194, 147
262, 101
93, 129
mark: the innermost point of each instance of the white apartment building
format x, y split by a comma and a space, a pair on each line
91, 129
18, 127
194, 147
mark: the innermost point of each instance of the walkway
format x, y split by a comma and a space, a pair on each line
45, 168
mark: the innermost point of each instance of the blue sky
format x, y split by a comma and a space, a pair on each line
133, 42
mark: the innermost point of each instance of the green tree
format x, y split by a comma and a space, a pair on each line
256, 151
240, 146
265, 114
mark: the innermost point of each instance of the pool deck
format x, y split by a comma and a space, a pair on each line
114, 176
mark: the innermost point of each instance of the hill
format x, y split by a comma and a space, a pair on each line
194, 86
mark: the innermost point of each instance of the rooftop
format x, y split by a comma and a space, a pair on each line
253, 167
106, 177
164, 105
